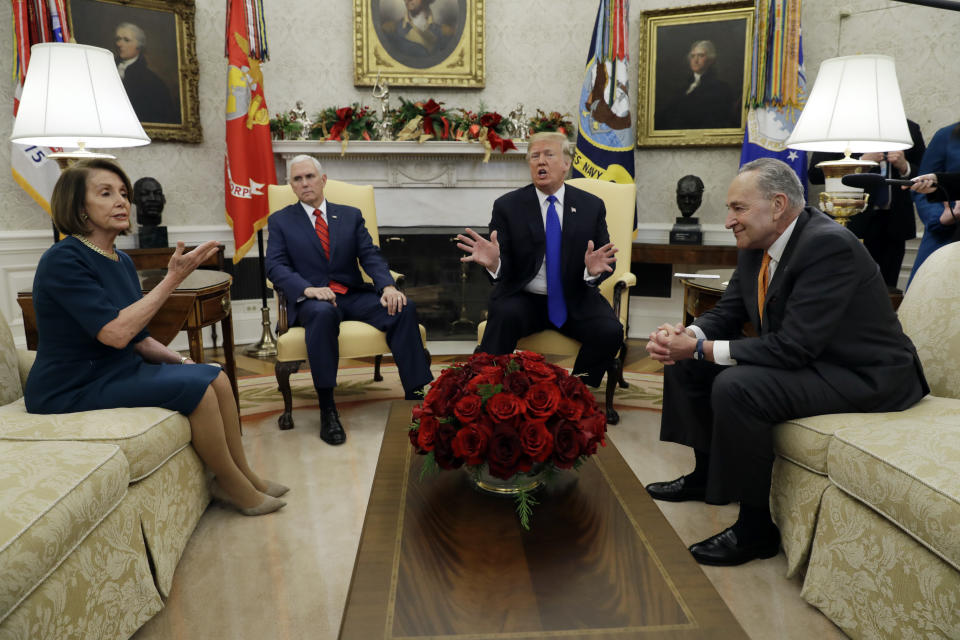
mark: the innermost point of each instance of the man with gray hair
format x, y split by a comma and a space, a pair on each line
702, 101
312, 256
148, 94
827, 341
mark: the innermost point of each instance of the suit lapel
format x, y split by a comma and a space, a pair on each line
781, 275
570, 223
335, 230
534, 217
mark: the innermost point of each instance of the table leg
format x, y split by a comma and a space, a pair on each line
195, 338
227, 326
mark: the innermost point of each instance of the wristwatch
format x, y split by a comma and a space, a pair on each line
698, 353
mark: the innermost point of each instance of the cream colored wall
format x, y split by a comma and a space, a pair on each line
535, 53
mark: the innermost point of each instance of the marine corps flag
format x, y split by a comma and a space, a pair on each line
248, 166
605, 138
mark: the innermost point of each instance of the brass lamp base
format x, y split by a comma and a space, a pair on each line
267, 346
839, 201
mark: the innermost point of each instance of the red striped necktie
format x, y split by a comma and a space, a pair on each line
324, 235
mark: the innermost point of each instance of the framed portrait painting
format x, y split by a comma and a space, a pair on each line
694, 75
154, 44
418, 43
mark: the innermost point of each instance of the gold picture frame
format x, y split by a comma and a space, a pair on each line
675, 107
441, 48
159, 40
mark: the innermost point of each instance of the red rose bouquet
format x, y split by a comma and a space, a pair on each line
512, 413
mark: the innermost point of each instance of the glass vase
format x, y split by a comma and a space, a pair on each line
483, 481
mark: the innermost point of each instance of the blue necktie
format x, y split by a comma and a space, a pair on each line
556, 306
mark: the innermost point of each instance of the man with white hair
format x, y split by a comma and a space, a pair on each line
312, 255
703, 101
148, 94
828, 342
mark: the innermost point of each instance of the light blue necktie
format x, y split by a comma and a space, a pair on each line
556, 306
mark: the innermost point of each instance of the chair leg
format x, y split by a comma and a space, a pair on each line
376, 368
623, 360
283, 371
613, 375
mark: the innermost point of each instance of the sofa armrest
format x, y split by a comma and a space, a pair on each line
25, 361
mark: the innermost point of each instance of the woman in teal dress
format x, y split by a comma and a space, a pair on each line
94, 351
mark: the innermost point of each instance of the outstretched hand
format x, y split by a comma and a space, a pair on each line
600, 260
182, 264
486, 253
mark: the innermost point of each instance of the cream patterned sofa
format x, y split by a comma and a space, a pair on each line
868, 504
95, 510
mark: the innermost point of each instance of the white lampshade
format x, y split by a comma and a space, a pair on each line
73, 97
855, 105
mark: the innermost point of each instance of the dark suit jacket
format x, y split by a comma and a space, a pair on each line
295, 259
827, 309
519, 225
711, 105
148, 94
902, 221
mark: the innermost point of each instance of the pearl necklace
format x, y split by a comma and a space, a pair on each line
112, 256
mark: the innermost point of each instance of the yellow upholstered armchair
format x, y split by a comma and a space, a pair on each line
619, 201
357, 339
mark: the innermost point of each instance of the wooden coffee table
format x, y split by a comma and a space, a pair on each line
438, 559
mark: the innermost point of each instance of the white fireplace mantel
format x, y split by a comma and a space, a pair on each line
435, 183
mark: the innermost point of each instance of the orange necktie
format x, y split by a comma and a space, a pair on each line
762, 283
324, 235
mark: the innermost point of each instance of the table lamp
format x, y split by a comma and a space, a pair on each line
854, 107
73, 97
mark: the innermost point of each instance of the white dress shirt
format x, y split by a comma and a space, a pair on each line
539, 282
721, 348
123, 64
312, 213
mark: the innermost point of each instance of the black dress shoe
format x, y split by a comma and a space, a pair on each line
679, 490
726, 550
331, 431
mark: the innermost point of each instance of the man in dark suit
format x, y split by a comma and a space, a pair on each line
703, 101
148, 94
829, 342
312, 256
889, 220
548, 250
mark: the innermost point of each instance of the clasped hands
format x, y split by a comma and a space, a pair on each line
486, 253
669, 344
391, 297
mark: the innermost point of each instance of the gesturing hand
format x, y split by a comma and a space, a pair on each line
393, 300
486, 253
182, 264
600, 260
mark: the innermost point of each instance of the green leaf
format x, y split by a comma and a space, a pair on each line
525, 503
429, 466
487, 391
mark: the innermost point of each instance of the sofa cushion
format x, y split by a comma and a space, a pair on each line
52, 495
804, 441
906, 471
10, 388
148, 436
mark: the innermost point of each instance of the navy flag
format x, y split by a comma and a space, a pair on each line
605, 133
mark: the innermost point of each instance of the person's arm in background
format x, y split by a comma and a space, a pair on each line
935, 215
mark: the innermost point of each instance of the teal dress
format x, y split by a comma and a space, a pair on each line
77, 291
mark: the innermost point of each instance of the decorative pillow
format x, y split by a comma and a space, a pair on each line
10, 388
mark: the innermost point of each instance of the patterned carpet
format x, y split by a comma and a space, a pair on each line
260, 397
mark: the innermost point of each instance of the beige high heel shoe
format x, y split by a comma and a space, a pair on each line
269, 504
